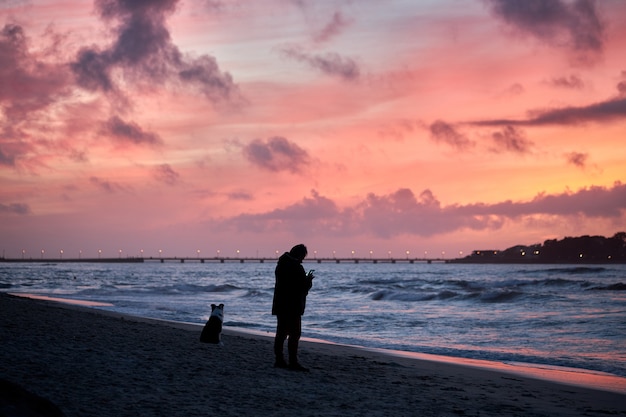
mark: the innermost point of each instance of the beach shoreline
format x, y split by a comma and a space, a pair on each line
90, 361
569, 376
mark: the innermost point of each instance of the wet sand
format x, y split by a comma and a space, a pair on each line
90, 362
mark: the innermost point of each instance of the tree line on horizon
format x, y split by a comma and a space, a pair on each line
581, 249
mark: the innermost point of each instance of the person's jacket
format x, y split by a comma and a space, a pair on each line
291, 287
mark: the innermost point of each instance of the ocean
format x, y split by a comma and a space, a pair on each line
548, 315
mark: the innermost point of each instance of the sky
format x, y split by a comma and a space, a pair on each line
379, 128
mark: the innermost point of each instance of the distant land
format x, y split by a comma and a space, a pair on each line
582, 249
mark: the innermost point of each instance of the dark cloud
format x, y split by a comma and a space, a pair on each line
6, 158
311, 215
404, 213
204, 72
129, 132
577, 159
15, 147
215, 5
166, 174
240, 195
144, 51
398, 129
277, 154
511, 139
575, 25
515, 90
444, 132
106, 186
330, 63
596, 202
92, 70
333, 28
15, 208
572, 81
604, 111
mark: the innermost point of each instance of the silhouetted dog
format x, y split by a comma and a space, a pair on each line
212, 331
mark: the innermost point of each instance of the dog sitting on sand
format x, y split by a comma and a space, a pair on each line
212, 331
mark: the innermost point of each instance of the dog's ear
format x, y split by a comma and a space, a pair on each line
213, 307
222, 306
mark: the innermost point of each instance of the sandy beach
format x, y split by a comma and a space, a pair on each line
79, 361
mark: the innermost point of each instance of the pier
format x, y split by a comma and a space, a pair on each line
225, 260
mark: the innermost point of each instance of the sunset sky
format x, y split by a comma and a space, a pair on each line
429, 126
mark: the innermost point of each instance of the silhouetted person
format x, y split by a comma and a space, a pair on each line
290, 291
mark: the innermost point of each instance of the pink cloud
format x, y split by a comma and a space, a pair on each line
29, 86
404, 130
403, 213
27, 83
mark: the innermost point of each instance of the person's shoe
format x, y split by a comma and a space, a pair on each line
280, 363
297, 367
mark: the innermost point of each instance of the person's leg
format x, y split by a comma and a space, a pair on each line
279, 340
295, 331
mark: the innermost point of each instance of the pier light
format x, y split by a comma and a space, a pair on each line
314, 254
141, 252
371, 253
198, 252
80, 254
407, 254
42, 251
443, 254
99, 253
277, 253
334, 254
61, 254
160, 252
461, 253
580, 256
23, 253
389, 254
120, 252
218, 253
237, 253
353, 254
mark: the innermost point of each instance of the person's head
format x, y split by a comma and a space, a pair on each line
299, 252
